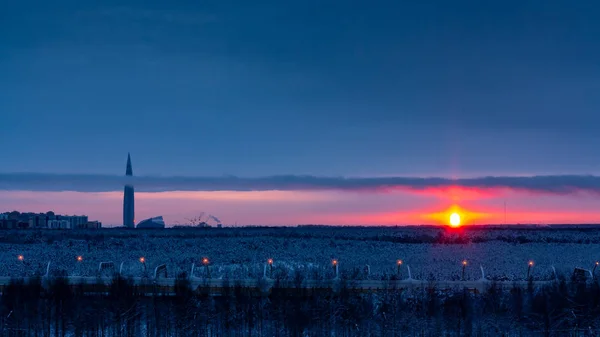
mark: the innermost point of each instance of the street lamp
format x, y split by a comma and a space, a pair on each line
21, 260
79, 260
595, 266
270, 262
529, 266
143, 262
464, 265
398, 264
334, 263
206, 262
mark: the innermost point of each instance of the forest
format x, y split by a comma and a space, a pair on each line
54, 308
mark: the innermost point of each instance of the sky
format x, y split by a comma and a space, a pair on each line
302, 89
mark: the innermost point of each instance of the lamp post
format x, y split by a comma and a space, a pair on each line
464, 265
143, 262
270, 262
529, 266
79, 260
334, 263
21, 260
206, 262
398, 264
594, 270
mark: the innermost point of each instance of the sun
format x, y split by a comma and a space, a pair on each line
455, 219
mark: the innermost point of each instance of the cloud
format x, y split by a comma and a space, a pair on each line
556, 184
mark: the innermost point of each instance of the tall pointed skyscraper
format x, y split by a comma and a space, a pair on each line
128, 201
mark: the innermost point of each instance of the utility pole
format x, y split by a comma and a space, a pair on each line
505, 212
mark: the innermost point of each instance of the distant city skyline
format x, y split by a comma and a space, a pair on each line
45, 220
318, 88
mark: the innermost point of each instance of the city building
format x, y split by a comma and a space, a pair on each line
77, 221
59, 224
94, 225
156, 222
90, 225
128, 199
38, 221
8, 223
10, 220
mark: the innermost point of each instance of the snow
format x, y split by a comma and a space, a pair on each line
243, 252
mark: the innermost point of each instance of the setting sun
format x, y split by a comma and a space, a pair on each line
454, 220
455, 217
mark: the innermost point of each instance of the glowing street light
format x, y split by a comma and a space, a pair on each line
143, 262
79, 259
20, 258
206, 263
399, 264
334, 263
464, 265
270, 262
529, 266
595, 266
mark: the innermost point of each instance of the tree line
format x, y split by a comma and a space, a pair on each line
34, 308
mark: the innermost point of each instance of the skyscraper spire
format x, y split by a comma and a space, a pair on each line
128, 198
129, 170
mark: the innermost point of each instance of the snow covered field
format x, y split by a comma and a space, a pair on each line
307, 252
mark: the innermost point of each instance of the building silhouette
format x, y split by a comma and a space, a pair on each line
156, 222
128, 199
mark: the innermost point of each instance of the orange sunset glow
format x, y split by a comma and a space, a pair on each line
289, 207
455, 216
459, 193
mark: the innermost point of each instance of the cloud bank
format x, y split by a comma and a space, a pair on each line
551, 184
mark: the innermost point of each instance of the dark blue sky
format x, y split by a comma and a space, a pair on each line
253, 88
